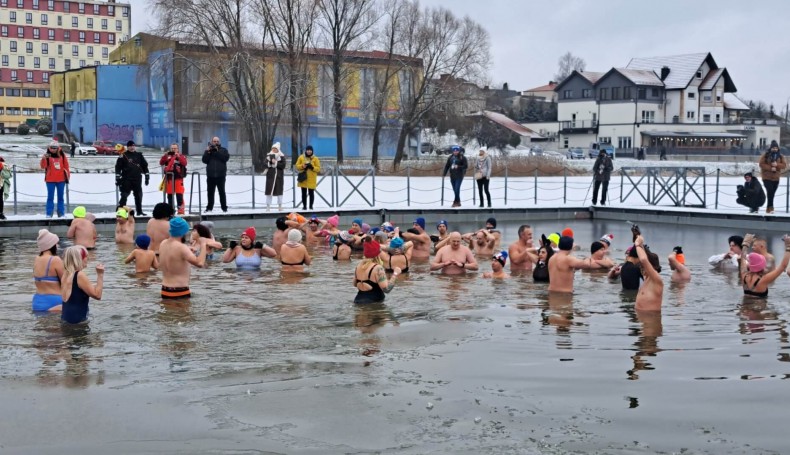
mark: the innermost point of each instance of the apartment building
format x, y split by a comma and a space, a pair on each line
39, 37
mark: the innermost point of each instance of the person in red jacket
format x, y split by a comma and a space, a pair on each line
175, 170
56, 175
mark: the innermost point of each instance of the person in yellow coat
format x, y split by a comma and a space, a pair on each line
308, 165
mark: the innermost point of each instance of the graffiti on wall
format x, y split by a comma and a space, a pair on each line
116, 133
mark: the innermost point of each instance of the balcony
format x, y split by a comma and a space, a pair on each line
579, 127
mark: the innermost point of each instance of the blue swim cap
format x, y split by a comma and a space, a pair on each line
501, 257
178, 227
420, 221
143, 241
442, 222
357, 221
397, 242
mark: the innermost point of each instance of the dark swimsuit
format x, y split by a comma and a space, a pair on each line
751, 293
403, 270
375, 294
171, 293
75, 309
540, 273
298, 263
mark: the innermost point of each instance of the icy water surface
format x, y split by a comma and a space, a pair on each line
270, 363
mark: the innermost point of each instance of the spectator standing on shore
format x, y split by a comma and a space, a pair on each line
456, 165
483, 167
772, 164
130, 168
603, 170
751, 193
5, 184
56, 176
215, 157
275, 166
175, 170
310, 165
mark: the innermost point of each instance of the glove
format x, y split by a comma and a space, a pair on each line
748, 239
147, 179
233, 244
258, 245
118, 180
131, 213
434, 238
309, 166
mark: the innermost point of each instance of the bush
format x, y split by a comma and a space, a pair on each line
23, 130
45, 128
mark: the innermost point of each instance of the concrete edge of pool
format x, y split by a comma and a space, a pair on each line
21, 226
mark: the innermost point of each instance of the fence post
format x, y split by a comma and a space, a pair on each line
474, 197
787, 195
536, 186
622, 181
564, 185
164, 190
506, 182
704, 189
373, 181
442, 191
117, 196
252, 175
293, 185
13, 168
408, 184
716, 200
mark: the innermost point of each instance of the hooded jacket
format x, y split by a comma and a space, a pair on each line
460, 169
215, 162
483, 165
603, 167
768, 159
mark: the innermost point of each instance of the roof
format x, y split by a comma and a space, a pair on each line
507, 122
734, 103
711, 79
682, 68
592, 76
694, 135
543, 88
640, 77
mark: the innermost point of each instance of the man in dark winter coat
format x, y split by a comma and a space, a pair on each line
130, 168
456, 165
216, 156
602, 169
751, 193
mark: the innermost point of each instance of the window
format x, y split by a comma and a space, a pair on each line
705, 118
104, 24
196, 132
45, 112
1, 111
699, 74
718, 96
20, 3
82, 63
45, 77
565, 142
603, 94
13, 46
36, 62
626, 93
718, 118
90, 51
3, 2
36, 33
60, 21
20, 32
30, 76
28, 18
51, 33
125, 13
20, 61
82, 37
12, 16
29, 47
45, 48
96, 37
12, 91
615, 93
692, 95
641, 93
5, 60
81, 7
654, 92
28, 111
67, 64
75, 22
605, 140
66, 35
12, 111
567, 94
105, 52
4, 30
52, 63
118, 26
28, 93
90, 22
75, 50
35, 4
60, 49
51, 5
648, 116
111, 10
96, 63
624, 142
586, 93
96, 8
66, 7
690, 115
111, 38
707, 97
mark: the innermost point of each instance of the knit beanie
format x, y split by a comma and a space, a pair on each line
143, 241
295, 235
178, 227
46, 240
371, 249
250, 232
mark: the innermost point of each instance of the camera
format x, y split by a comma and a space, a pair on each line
635, 229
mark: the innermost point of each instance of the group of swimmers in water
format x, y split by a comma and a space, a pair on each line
172, 246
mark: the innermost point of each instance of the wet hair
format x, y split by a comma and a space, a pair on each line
73, 258
653, 259
523, 228
736, 239
162, 211
202, 231
53, 251
280, 222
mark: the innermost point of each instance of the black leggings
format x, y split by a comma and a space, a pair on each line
305, 191
1, 200
482, 185
770, 190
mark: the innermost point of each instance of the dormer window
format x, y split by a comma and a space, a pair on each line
692, 95
699, 74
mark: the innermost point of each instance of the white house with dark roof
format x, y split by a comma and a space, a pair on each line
685, 103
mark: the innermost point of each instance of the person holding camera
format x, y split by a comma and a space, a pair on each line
215, 157
751, 193
56, 176
275, 165
456, 164
602, 169
129, 170
308, 165
772, 164
175, 170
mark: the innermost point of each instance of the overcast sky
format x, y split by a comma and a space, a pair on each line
528, 36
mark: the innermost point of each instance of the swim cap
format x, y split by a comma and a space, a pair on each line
280, 222
365, 228
554, 238
142, 241
371, 249
250, 232
386, 225
565, 243
567, 232
501, 257
178, 227
162, 211
120, 148
607, 239
756, 262
345, 236
442, 222
79, 212
293, 216
90, 217
46, 240
209, 224
396, 243
314, 219
596, 246
357, 221
333, 220
122, 213
420, 221
381, 235
295, 235
491, 221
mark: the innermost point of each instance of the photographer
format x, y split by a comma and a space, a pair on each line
275, 165
603, 170
175, 170
772, 164
215, 157
308, 165
751, 193
56, 176
129, 170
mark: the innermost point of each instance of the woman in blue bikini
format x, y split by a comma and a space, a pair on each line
47, 273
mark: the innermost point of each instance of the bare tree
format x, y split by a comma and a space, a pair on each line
448, 46
344, 23
567, 64
226, 55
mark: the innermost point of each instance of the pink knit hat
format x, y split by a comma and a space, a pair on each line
334, 220
46, 240
756, 262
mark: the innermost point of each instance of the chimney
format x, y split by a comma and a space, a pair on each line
664, 72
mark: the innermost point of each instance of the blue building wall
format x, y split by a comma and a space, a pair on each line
122, 113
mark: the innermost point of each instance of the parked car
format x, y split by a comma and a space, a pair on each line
575, 153
104, 148
595, 150
536, 151
426, 147
449, 150
80, 149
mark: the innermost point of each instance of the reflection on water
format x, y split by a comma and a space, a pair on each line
66, 356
